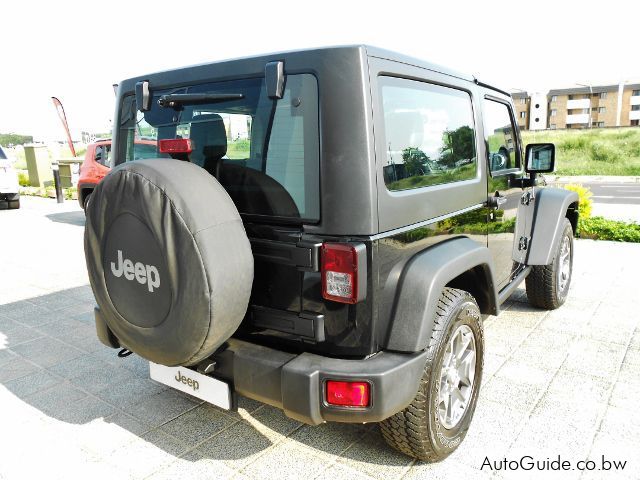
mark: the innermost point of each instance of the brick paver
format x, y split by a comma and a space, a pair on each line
564, 383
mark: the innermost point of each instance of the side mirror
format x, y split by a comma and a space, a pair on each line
541, 157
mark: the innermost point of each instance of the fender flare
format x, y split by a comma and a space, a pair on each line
551, 206
422, 282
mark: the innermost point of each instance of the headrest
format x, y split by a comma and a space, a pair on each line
208, 137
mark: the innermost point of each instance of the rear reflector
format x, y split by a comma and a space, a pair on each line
175, 145
347, 394
339, 270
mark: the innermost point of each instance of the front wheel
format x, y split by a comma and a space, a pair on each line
548, 285
437, 420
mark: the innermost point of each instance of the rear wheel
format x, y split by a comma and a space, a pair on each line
438, 418
548, 285
14, 204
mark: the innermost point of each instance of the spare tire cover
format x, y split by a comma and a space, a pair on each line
168, 259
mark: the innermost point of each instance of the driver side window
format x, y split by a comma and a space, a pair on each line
500, 137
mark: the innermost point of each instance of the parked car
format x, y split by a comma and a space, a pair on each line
96, 164
295, 267
9, 186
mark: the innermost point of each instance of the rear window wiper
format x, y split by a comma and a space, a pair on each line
176, 99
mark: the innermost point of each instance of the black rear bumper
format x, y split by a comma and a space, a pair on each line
295, 383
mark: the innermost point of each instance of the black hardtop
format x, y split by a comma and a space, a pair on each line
254, 65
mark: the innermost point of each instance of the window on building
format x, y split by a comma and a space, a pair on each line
602, 109
635, 123
429, 132
523, 101
554, 112
523, 114
602, 95
635, 108
585, 110
597, 124
635, 93
594, 109
571, 97
554, 98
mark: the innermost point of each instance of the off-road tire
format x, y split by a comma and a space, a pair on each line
417, 431
543, 288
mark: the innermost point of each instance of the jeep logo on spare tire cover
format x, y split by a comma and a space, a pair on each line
169, 261
135, 272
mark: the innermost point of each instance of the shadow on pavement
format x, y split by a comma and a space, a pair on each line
71, 218
51, 359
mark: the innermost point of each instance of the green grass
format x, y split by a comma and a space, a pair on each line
598, 151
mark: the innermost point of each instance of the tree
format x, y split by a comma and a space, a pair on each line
458, 144
14, 139
415, 161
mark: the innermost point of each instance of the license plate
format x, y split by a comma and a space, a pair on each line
206, 388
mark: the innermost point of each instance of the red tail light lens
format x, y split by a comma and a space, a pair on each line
339, 270
347, 394
175, 145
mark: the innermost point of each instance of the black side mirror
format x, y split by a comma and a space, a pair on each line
541, 157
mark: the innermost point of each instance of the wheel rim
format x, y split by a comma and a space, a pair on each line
564, 267
456, 377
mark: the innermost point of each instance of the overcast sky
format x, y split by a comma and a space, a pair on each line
77, 50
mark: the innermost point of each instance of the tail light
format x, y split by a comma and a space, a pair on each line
344, 272
347, 394
175, 145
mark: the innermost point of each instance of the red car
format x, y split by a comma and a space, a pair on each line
97, 161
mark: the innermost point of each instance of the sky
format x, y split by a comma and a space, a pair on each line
77, 50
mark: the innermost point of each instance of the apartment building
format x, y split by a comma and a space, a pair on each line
521, 102
581, 107
630, 105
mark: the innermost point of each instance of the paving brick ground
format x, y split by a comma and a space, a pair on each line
556, 383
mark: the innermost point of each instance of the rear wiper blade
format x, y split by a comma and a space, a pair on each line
176, 99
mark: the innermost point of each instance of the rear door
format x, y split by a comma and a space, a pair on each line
510, 205
265, 153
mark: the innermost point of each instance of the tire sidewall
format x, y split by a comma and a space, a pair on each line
444, 440
561, 295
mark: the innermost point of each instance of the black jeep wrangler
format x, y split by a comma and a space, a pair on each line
323, 231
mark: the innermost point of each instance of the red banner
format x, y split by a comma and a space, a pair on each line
63, 119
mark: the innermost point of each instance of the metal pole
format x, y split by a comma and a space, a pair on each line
56, 180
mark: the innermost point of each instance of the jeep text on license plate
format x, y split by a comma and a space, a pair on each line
205, 388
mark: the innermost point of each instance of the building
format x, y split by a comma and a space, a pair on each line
521, 101
612, 105
538, 111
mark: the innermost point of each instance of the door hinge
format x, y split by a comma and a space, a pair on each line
526, 199
523, 243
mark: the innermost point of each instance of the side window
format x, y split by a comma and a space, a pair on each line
500, 137
429, 134
103, 154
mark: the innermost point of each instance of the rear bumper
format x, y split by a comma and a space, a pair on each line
9, 195
295, 383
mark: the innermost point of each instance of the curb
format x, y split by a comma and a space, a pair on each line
592, 179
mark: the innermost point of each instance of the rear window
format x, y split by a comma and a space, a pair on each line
265, 152
3, 156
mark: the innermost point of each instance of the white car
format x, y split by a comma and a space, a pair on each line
9, 191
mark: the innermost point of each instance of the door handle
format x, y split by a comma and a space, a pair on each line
496, 201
